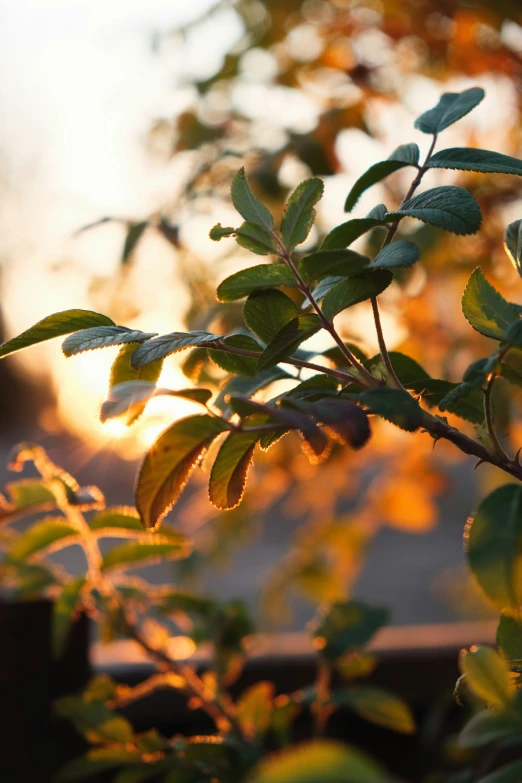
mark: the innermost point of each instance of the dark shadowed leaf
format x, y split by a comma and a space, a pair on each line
377, 706
256, 239
486, 310
288, 340
167, 344
401, 253
343, 235
510, 773
348, 626
299, 213
448, 207
98, 761
229, 472
451, 107
406, 153
234, 363
217, 232
343, 420
353, 290
489, 727
332, 262
248, 206
394, 405
493, 541
482, 161
95, 720
266, 312
408, 371
134, 234
459, 398
102, 336
169, 462
65, 322
513, 244
375, 173
509, 637
248, 386
255, 278
64, 608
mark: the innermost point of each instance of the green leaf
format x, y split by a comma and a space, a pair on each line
401, 253
485, 309
319, 760
288, 339
513, 244
64, 608
167, 344
448, 207
343, 235
482, 161
169, 463
124, 372
375, 173
462, 399
234, 363
256, 239
353, 290
128, 398
332, 262
254, 709
408, 371
489, 727
509, 637
299, 213
119, 517
514, 334
377, 706
394, 405
378, 212
487, 675
134, 234
451, 107
244, 386
255, 278
102, 336
95, 720
55, 325
347, 626
137, 554
247, 204
407, 153
343, 420
493, 539
266, 312
217, 232
95, 763
510, 773
26, 496
42, 536
229, 472
337, 357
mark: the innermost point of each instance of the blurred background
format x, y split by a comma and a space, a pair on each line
122, 125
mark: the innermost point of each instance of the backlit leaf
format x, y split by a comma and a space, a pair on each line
448, 207
513, 244
124, 517
401, 253
489, 727
493, 539
266, 312
299, 213
319, 760
248, 206
485, 309
234, 363
128, 397
487, 675
343, 420
353, 290
135, 554
169, 462
102, 336
123, 372
451, 107
55, 325
41, 536
255, 278
229, 472
167, 344
254, 709
377, 706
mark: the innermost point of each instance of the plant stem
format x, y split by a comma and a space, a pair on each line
488, 412
322, 685
392, 230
